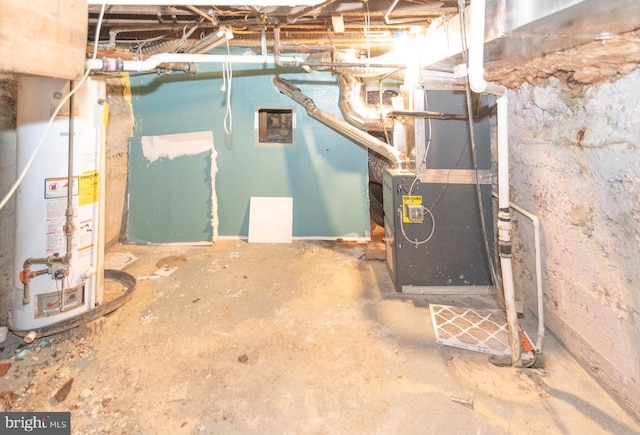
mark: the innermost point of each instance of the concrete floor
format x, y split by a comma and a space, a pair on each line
307, 338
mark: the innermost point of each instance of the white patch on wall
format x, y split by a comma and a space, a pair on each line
171, 146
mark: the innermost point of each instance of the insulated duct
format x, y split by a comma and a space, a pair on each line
357, 111
385, 64
348, 130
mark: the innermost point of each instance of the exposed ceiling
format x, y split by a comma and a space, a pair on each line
367, 24
517, 32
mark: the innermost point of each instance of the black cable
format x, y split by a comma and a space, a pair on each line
485, 237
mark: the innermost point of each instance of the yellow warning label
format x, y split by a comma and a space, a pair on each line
407, 202
88, 189
105, 114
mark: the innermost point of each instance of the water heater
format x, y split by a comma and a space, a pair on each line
58, 271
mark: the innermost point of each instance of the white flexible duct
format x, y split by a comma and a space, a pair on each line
479, 85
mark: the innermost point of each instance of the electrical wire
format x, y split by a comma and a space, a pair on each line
427, 210
435, 203
227, 77
426, 150
23, 174
485, 237
367, 29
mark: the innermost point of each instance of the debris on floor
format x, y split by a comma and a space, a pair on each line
307, 338
119, 260
165, 270
63, 392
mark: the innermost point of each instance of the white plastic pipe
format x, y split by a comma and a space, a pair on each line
476, 47
535, 220
504, 231
151, 63
478, 84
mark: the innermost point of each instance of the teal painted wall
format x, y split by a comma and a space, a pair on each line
169, 199
325, 173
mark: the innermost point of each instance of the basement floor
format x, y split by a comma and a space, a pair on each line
307, 338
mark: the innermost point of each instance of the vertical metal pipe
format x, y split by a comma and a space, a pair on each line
68, 228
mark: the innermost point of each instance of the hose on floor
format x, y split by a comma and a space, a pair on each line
127, 280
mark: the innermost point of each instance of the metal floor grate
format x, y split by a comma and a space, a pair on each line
480, 330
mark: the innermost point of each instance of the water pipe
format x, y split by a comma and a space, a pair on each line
68, 226
152, 62
535, 220
478, 84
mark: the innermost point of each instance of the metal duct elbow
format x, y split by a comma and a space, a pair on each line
357, 111
360, 137
346, 62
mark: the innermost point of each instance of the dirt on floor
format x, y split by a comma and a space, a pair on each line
303, 338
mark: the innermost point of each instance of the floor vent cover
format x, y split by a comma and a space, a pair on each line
480, 330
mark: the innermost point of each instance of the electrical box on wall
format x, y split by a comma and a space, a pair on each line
275, 127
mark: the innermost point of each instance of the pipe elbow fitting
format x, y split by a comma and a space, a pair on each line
477, 83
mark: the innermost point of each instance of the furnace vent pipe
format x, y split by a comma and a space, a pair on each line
348, 130
356, 110
478, 84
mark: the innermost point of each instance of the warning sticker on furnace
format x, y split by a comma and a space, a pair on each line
88, 190
412, 209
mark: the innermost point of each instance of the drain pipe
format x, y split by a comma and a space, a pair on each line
336, 124
535, 220
478, 84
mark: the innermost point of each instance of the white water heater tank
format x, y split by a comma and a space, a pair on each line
60, 290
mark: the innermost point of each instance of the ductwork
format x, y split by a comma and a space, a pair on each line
357, 111
346, 62
517, 30
360, 137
